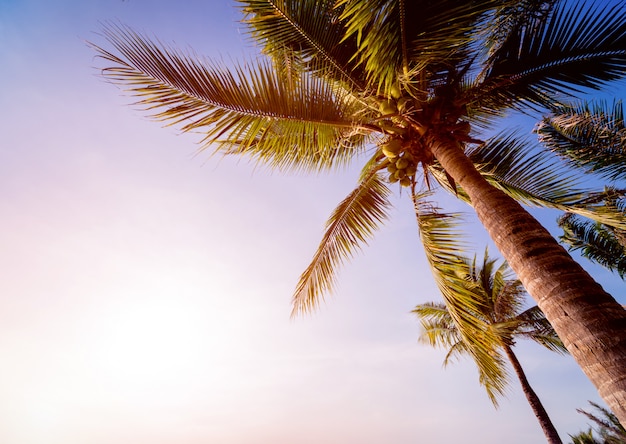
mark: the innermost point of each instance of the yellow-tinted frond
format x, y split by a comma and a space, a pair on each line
249, 109
348, 228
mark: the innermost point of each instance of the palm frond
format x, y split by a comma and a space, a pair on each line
348, 228
396, 36
444, 249
245, 110
511, 17
589, 135
438, 328
532, 324
310, 28
611, 430
509, 297
539, 179
595, 242
579, 46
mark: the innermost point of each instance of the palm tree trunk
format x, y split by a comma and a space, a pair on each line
541, 414
590, 322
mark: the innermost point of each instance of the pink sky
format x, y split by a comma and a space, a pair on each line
145, 291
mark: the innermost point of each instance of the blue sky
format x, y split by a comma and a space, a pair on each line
146, 289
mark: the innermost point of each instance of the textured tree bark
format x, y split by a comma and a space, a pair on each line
542, 416
591, 324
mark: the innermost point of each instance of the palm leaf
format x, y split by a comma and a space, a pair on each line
349, 227
438, 328
511, 17
595, 242
611, 430
310, 28
535, 178
590, 136
395, 36
560, 55
245, 110
534, 325
443, 250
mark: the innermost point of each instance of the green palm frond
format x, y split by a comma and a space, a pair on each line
511, 163
596, 242
589, 135
438, 327
538, 179
509, 294
560, 55
510, 17
395, 36
609, 427
444, 248
439, 330
310, 28
489, 322
244, 110
348, 228
585, 437
532, 324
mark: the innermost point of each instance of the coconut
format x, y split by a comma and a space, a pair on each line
399, 174
404, 103
392, 148
402, 163
411, 170
387, 107
395, 91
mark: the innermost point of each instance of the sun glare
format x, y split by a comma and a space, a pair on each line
158, 341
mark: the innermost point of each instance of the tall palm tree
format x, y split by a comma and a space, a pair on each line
499, 300
407, 88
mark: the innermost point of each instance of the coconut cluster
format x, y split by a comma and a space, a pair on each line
396, 103
400, 164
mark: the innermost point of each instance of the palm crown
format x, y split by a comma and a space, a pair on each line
499, 312
499, 318
405, 88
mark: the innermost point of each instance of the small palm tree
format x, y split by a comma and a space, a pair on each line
406, 89
608, 427
497, 312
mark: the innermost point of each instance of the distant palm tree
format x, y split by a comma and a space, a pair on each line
406, 89
499, 299
608, 427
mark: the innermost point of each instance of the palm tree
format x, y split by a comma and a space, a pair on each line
499, 300
609, 428
407, 88
592, 136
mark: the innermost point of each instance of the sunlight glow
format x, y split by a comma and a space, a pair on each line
152, 342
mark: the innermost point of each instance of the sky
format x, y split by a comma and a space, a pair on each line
145, 288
